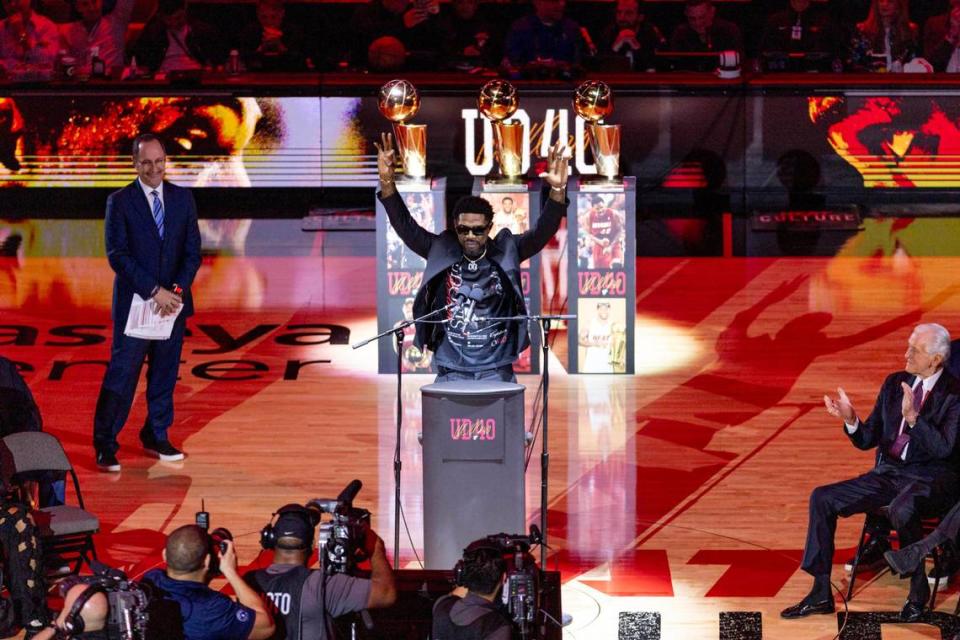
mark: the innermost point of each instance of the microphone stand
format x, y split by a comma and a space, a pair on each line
397, 332
544, 321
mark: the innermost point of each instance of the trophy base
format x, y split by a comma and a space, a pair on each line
412, 183
505, 183
601, 183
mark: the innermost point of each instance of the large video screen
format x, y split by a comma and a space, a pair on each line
212, 140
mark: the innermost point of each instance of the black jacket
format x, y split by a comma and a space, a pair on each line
932, 440
203, 42
441, 251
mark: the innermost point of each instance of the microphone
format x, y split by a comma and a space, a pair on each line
350, 491
467, 297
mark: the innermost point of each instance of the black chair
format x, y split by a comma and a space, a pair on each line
879, 521
65, 531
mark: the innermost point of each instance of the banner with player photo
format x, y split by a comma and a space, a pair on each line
400, 274
602, 273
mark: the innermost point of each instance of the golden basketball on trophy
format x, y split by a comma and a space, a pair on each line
398, 102
593, 101
497, 102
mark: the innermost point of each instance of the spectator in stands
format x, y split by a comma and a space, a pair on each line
546, 37
207, 614
800, 29
941, 40
704, 31
886, 39
173, 40
272, 43
106, 33
630, 41
414, 23
27, 37
469, 39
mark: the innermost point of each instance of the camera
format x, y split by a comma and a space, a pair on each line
129, 600
521, 590
340, 539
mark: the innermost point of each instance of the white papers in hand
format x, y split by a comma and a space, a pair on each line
145, 321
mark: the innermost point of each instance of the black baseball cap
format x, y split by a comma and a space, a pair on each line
293, 521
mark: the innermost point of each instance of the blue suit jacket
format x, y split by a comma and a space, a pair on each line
139, 257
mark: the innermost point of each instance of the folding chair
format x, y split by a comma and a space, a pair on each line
879, 521
65, 531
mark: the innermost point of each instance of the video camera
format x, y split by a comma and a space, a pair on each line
521, 590
129, 600
340, 540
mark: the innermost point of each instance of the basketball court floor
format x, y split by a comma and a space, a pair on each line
678, 496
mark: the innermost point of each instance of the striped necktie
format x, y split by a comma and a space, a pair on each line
157, 212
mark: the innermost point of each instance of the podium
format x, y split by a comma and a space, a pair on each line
473, 466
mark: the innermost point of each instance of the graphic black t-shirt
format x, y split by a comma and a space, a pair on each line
470, 343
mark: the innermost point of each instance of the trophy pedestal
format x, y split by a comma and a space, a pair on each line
601, 274
506, 184
400, 270
516, 206
409, 184
598, 184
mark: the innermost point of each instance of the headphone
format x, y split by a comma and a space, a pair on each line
480, 550
73, 624
269, 535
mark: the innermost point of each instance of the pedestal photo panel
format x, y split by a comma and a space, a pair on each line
602, 273
400, 273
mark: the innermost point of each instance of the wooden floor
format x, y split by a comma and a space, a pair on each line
681, 490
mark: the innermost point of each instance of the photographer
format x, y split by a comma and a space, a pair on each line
304, 601
474, 614
207, 614
92, 614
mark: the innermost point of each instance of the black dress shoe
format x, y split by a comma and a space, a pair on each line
905, 561
911, 612
805, 608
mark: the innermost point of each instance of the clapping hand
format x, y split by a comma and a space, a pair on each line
841, 407
910, 412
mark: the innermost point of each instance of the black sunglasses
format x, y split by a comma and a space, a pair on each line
463, 230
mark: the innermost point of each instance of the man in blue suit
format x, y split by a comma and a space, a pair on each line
153, 245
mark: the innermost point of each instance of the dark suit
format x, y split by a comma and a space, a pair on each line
142, 261
443, 250
924, 483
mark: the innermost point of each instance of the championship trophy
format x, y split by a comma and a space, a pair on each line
593, 101
399, 102
497, 102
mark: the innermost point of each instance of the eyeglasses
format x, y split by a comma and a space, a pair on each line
463, 230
